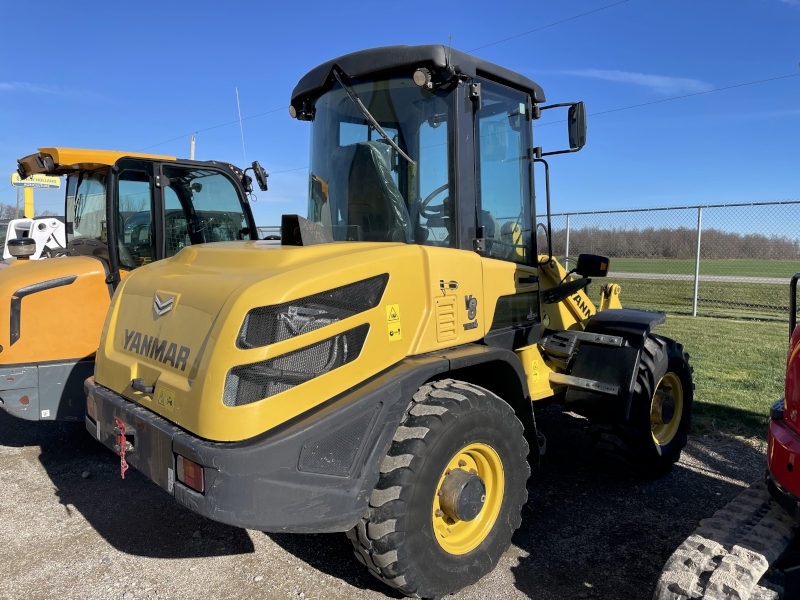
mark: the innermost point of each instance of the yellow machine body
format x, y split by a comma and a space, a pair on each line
423, 309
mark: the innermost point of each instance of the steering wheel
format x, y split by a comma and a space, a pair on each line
428, 199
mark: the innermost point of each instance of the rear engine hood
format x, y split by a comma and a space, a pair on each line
175, 326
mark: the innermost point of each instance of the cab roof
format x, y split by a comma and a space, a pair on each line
68, 160
405, 60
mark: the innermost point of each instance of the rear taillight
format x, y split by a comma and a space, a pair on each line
91, 408
190, 473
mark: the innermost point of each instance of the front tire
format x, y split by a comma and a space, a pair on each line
406, 539
651, 441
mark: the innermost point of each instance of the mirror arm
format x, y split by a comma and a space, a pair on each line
563, 104
561, 151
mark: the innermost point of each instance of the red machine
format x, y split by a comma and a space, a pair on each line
783, 452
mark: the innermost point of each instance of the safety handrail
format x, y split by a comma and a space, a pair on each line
793, 303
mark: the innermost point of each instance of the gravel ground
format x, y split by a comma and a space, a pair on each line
71, 528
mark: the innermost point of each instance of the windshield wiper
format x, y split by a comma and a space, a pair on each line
357, 101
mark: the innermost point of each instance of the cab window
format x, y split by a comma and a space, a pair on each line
135, 228
201, 206
502, 134
86, 206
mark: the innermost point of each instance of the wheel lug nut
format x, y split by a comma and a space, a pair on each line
439, 512
462, 463
447, 472
439, 492
473, 472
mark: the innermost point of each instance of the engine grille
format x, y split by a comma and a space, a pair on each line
246, 384
270, 324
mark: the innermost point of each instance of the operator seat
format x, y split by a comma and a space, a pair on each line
368, 197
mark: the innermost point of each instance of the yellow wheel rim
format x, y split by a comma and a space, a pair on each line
666, 409
459, 537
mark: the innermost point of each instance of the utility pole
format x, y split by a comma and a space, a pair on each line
16, 214
191, 150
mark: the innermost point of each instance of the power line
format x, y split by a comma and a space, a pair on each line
549, 25
729, 87
605, 112
473, 50
274, 110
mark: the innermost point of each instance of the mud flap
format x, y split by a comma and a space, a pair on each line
614, 366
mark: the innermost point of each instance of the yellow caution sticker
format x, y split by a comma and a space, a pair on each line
535, 371
166, 399
392, 313
395, 332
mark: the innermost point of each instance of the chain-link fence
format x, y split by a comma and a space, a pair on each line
724, 260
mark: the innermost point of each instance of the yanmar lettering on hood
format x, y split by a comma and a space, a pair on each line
161, 350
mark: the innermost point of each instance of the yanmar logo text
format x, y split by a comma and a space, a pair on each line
160, 350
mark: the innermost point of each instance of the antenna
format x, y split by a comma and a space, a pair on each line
449, 49
241, 130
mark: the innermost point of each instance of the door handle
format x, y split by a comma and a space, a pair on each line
529, 279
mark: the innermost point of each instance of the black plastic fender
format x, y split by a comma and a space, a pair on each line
611, 365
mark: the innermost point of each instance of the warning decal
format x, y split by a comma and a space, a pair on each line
166, 399
392, 313
394, 332
535, 371
393, 329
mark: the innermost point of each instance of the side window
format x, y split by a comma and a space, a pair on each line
176, 225
435, 208
135, 229
201, 206
86, 207
503, 173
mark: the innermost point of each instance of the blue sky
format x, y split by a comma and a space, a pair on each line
127, 76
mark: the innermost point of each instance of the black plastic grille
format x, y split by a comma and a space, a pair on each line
336, 452
270, 324
246, 384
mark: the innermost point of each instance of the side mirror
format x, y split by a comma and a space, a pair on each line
260, 175
576, 127
592, 265
576, 121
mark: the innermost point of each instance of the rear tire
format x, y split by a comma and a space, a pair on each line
646, 445
403, 539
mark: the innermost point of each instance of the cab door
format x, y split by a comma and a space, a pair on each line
504, 205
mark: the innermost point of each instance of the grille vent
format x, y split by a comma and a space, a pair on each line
270, 324
246, 384
446, 319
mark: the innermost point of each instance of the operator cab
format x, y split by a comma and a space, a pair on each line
132, 209
423, 145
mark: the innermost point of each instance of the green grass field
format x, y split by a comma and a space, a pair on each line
738, 371
721, 299
733, 268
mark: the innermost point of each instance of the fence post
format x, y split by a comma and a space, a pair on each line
697, 259
566, 246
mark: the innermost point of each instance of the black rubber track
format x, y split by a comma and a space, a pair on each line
629, 448
395, 538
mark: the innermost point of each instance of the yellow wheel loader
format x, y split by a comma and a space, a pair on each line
122, 211
376, 373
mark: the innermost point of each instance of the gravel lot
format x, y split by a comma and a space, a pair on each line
71, 528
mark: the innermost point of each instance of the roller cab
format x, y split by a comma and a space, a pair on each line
122, 211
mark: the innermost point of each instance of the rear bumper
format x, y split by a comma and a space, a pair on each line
312, 475
46, 391
783, 466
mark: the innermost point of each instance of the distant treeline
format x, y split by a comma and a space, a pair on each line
673, 243
8, 211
